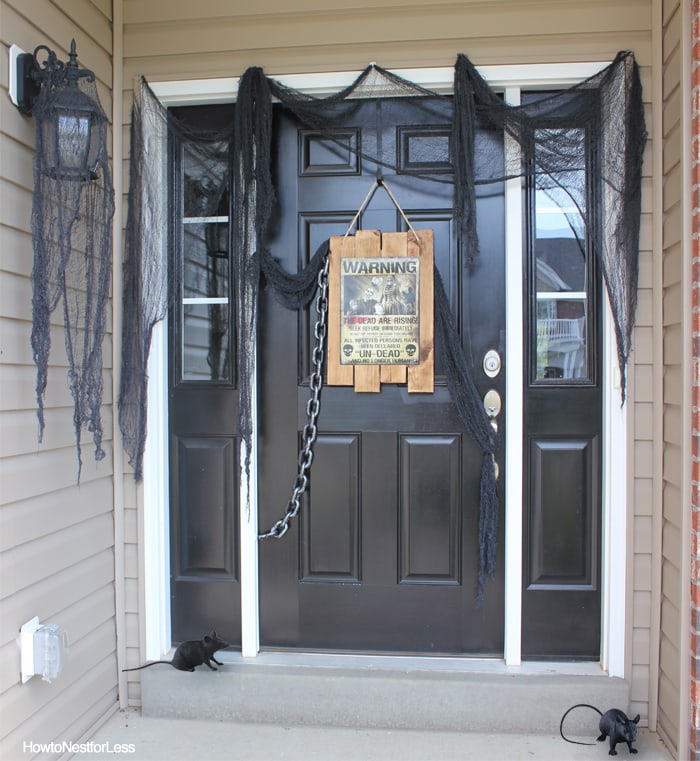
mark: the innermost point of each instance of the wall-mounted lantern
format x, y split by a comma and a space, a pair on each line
67, 116
71, 223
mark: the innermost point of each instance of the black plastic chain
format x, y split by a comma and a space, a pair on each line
313, 407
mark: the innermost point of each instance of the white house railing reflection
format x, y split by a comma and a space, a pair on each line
561, 341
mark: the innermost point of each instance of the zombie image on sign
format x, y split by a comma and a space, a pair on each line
379, 317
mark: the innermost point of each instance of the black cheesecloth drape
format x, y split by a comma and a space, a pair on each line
615, 103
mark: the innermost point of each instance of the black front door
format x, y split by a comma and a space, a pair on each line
384, 555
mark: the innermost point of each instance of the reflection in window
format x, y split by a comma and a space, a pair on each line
205, 330
561, 276
205, 309
561, 340
205, 354
205, 265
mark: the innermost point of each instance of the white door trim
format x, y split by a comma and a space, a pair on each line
615, 513
510, 79
514, 402
156, 500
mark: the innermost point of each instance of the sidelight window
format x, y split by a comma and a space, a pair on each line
204, 260
561, 266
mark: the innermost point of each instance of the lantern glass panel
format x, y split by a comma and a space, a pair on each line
73, 142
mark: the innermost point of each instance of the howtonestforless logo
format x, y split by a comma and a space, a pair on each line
66, 746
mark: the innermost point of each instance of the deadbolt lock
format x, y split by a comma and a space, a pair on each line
492, 363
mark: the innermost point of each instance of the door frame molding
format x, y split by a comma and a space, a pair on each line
154, 552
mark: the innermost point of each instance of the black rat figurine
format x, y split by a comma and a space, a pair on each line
193, 653
614, 724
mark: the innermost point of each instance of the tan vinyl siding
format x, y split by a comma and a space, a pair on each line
670, 666
133, 587
56, 537
177, 39
215, 38
643, 450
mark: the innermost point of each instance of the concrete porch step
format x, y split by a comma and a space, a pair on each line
447, 694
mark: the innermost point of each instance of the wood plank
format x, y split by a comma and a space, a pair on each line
367, 245
337, 374
393, 244
421, 376
368, 378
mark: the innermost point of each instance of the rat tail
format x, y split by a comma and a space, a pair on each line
146, 665
561, 723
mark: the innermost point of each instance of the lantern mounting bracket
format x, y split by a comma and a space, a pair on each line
30, 74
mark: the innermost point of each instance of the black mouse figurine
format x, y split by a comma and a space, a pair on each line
193, 653
614, 724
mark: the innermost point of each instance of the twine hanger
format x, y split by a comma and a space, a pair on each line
380, 182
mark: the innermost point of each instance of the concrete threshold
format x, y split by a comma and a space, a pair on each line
389, 693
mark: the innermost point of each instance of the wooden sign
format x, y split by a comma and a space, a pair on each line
380, 310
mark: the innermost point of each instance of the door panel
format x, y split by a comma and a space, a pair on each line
563, 415
206, 469
561, 552
384, 555
561, 572
430, 509
330, 541
203, 398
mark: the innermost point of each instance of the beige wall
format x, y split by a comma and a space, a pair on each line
56, 538
177, 39
673, 666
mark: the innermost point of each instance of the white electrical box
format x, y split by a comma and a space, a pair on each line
43, 650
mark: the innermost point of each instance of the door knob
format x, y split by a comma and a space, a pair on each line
492, 403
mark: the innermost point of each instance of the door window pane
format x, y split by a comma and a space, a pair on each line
205, 342
206, 261
561, 338
561, 268
205, 268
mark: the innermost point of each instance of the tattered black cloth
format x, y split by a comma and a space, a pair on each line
615, 103
72, 240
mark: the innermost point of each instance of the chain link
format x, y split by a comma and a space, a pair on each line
313, 407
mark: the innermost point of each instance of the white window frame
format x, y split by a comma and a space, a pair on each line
510, 79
